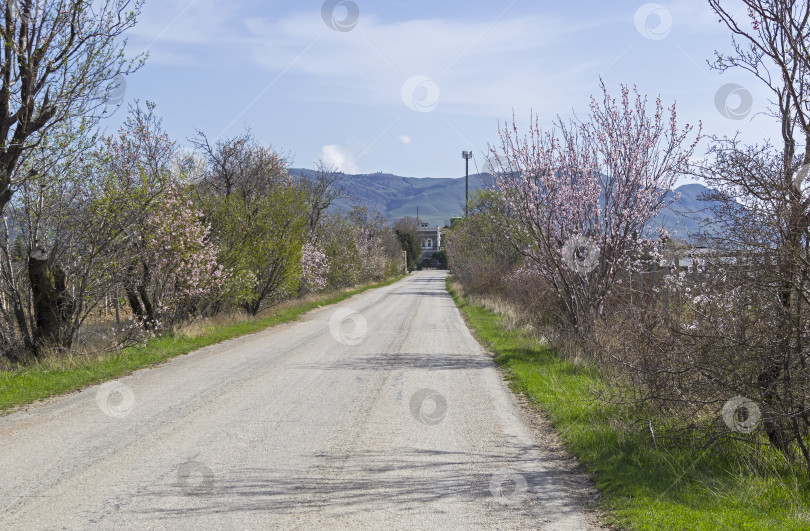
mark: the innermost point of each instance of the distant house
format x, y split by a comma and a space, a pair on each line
430, 240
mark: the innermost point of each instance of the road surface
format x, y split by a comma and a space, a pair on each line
379, 412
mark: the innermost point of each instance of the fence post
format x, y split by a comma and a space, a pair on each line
630, 284
641, 285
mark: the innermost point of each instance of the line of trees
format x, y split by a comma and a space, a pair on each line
170, 234
174, 235
725, 346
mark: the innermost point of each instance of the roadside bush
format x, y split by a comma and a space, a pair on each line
482, 258
359, 247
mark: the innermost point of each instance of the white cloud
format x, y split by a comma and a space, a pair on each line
481, 68
338, 158
405, 139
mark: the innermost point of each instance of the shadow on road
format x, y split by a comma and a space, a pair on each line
403, 480
409, 360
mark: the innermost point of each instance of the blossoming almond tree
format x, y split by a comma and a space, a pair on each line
146, 237
182, 261
581, 194
314, 268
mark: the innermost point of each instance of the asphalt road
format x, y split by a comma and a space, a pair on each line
380, 412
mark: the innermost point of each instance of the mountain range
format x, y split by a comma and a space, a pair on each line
439, 199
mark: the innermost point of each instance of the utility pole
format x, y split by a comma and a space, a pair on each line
467, 155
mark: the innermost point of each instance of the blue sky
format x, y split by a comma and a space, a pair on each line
410, 84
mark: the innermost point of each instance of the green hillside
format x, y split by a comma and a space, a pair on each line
440, 199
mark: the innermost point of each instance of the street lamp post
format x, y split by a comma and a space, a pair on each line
467, 155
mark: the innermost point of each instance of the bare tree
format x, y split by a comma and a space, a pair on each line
765, 200
322, 190
56, 59
228, 161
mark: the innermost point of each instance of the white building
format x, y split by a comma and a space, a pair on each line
430, 240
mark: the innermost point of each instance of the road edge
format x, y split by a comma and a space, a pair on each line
35, 384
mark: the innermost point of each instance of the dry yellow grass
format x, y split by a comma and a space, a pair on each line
514, 317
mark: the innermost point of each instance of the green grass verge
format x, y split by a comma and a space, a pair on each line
27, 384
643, 488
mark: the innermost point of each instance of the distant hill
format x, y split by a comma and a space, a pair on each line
437, 199
440, 199
684, 218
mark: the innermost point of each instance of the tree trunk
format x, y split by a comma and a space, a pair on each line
252, 308
134, 302
147, 306
776, 426
139, 299
777, 409
53, 305
22, 322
